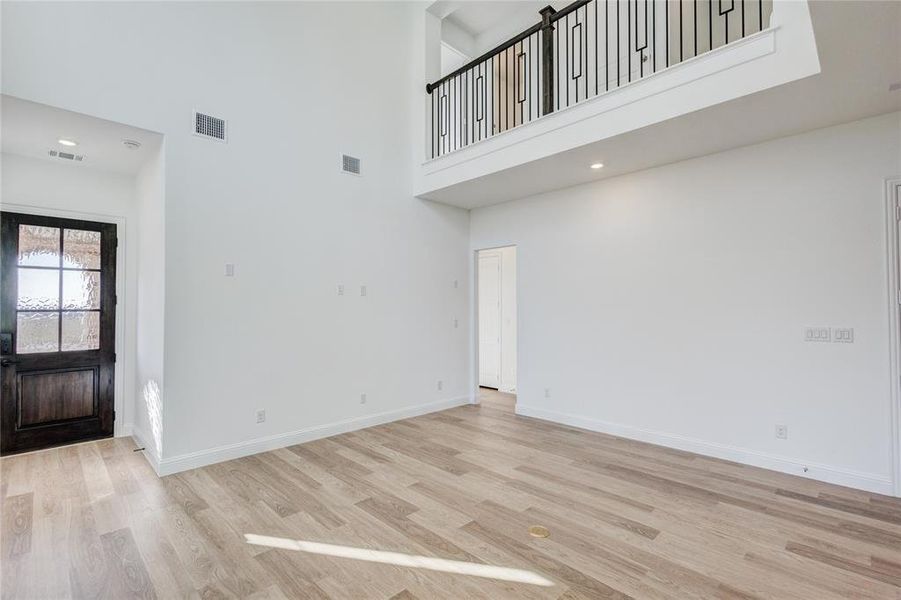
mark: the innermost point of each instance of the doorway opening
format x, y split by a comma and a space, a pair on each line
497, 326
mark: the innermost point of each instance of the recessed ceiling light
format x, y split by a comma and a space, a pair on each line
67, 142
131, 144
597, 166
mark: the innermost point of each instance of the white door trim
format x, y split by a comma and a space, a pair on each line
892, 213
474, 321
122, 426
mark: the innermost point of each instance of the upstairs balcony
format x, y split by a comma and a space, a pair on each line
585, 83
586, 49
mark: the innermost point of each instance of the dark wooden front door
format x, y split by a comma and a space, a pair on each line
57, 330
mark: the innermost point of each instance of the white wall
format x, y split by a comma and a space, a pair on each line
272, 201
40, 186
151, 288
670, 305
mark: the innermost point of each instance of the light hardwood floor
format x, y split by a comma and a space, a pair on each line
626, 520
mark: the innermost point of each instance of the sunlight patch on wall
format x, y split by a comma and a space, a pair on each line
154, 406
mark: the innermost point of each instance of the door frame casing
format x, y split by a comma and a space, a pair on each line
474, 322
483, 254
893, 264
122, 425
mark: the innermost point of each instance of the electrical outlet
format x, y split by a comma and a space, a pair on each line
340, 289
817, 334
843, 335
456, 284
362, 290
362, 398
781, 432
547, 392
261, 416
456, 323
440, 385
229, 270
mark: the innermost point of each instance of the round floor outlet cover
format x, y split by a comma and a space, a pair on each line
539, 531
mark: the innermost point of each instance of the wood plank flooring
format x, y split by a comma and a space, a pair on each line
364, 515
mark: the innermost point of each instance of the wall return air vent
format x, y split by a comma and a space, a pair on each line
350, 165
209, 127
62, 155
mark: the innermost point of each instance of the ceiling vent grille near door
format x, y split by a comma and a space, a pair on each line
66, 155
209, 127
350, 164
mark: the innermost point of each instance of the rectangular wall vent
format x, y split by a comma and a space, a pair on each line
66, 155
350, 164
209, 127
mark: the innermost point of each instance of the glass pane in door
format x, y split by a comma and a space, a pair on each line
81, 330
37, 332
81, 289
81, 249
38, 246
38, 289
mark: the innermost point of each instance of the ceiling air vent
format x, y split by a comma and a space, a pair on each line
350, 164
66, 155
209, 127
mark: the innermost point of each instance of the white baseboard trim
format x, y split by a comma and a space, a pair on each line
124, 430
871, 482
201, 458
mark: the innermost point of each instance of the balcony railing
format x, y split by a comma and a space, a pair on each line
584, 50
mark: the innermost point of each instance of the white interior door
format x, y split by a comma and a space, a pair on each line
490, 320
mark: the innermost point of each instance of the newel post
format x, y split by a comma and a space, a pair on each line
547, 63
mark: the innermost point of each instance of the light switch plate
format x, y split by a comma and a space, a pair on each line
229, 270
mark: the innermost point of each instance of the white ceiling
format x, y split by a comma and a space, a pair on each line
476, 18
31, 129
860, 53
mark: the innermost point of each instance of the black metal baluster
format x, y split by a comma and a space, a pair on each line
641, 49
681, 32
531, 79
493, 116
507, 88
760, 14
585, 48
618, 44
567, 50
710, 20
654, 36
516, 83
606, 46
696, 27
742, 18
597, 69
472, 106
726, 27
432, 144
666, 29
629, 37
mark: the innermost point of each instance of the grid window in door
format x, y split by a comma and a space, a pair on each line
58, 304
